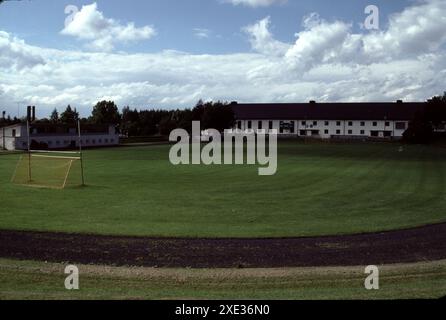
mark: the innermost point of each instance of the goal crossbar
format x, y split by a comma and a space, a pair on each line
54, 152
55, 157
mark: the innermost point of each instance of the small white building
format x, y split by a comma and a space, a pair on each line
328, 120
51, 136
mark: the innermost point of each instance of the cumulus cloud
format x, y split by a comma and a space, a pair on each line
326, 61
316, 42
14, 53
415, 31
256, 3
262, 40
102, 33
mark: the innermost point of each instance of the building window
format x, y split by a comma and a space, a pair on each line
326, 131
314, 123
304, 123
239, 124
303, 133
387, 124
400, 126
338, 123
270, 125
249, 124
338, 131
260, 125
362, 132
350, 123
362, 124
375, 123
326, 123
13, 132
350, 131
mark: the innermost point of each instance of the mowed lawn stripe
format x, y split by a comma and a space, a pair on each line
319, 189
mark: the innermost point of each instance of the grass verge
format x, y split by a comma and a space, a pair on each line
39, 280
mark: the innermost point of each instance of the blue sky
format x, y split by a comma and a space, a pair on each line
175, 20
170, 53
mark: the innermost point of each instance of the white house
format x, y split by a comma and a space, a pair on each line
328, 120
52, 136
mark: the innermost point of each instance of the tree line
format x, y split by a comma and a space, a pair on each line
133, 123
217, 115
428, 123
423, 128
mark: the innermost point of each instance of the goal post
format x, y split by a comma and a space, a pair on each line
50, 169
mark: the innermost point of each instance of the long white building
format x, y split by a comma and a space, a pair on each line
328, 120
50, 136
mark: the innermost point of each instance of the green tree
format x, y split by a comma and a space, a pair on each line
420, 129
216, 115
436, 110
105, 112
69, 116
54, 118
130, 122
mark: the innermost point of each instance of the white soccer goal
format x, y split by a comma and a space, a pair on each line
50, 169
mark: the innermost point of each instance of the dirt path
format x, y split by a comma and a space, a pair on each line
410, 245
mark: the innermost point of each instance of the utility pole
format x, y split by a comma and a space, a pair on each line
29, 152
3, 131
80, 151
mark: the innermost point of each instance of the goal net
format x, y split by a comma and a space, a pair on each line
48, 169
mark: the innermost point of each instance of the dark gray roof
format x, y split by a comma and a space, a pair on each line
327, 111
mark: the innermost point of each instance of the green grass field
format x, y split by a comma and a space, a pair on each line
318, 189
38, 280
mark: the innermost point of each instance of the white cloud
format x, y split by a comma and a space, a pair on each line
262, 39
202, 33
14, 53
256, 3
327, 61
102, 33
315, 44
415, 31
